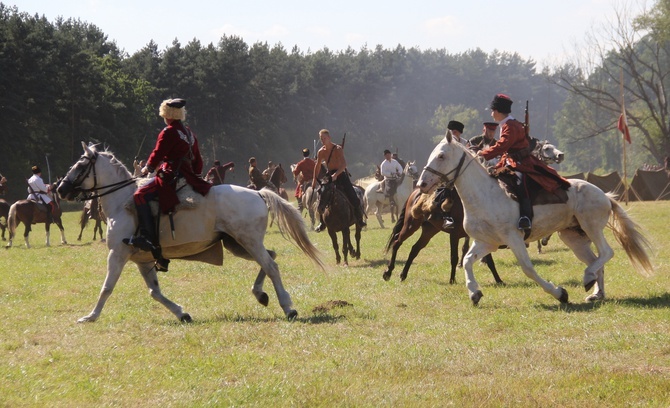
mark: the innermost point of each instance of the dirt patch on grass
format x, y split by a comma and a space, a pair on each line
329, 305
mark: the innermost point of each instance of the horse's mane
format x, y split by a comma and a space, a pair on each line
116, 163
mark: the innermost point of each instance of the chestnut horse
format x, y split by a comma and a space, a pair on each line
29, 212
407, 225
92, 211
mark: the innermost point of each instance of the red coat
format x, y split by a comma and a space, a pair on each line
512, 140
178, 154
306, 166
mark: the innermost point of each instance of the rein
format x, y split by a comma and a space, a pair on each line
87, 194
444, 177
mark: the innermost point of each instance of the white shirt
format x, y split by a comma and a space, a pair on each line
39, 188
391, 169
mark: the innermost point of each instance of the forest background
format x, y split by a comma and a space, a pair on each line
65, 81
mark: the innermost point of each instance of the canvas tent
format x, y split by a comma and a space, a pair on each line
608, 183
650, 185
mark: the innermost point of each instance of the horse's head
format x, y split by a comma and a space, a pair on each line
278, 177
444, 164
78, 178
325, 192
411, 170
549, 153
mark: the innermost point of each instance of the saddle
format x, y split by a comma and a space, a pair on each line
41, 207
189, 199
538, 196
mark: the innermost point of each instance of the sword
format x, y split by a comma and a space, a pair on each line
46, 156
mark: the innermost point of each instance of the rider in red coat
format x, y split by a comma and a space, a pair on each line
175, 155
514, 147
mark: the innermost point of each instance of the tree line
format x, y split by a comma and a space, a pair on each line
64, 81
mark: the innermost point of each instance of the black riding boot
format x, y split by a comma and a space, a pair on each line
360, 217
525, 209
147, 235
147, 240
321, 225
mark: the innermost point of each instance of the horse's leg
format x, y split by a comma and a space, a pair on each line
26, 232
378, 213
59, 223
428, 231
115, 264
476, 252
357, 236
409, 227
488, 260
581, 247
453, 248
257, 289
81, 232
464, 250
346, 245
255, 248
521, 253
148, 272
336, 248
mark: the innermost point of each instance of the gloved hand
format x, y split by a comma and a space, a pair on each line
145, 170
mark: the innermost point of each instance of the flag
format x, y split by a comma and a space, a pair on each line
622, 125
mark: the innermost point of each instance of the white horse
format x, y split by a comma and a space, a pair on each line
379, 200
491, 220
232, 215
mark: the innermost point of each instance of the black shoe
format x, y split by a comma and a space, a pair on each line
162, 264
448, 223
320, 227
139, 242
524, 223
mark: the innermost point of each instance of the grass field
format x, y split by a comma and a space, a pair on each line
358, 341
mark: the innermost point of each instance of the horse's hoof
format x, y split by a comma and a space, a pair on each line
263, 299
86, 319
386, 276
589, 285
186, 318
452, 281
403, 276
292, 315
594, 297
564, 296
475, 297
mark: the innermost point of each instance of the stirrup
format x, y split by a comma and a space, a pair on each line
524, 223
448, 223
162, 264
140, 242
320, 227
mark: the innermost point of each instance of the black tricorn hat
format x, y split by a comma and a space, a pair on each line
502, 103
176, 103
455, 125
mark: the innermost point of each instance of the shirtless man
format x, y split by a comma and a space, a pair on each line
333, 156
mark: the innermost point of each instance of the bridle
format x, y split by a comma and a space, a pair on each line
444, 177
90, 193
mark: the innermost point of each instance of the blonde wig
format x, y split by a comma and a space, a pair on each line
169, 112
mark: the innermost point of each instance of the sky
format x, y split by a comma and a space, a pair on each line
547, 32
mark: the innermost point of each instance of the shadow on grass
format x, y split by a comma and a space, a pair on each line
654, 302
319, 318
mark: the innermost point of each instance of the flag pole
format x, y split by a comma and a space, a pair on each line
623, 142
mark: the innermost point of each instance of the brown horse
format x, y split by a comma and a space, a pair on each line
92, 211
338, 215
29, 212
408, 225
4, 215
278, 177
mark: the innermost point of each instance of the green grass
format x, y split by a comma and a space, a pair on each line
358, 341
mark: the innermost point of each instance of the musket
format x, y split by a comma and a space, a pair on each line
526, 124
46, 156
344, 139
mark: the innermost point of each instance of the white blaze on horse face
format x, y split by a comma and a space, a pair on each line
436, 161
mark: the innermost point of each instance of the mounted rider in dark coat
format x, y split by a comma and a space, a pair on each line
175, 155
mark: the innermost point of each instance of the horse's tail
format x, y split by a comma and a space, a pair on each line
83, 221
12, 221
396, 228
628, 234
289, 221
